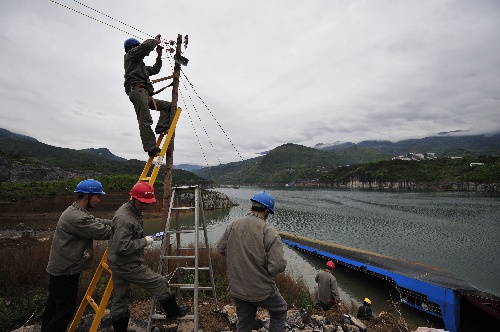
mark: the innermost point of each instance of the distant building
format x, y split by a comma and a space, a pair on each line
416, 156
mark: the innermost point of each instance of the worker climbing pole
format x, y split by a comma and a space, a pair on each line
156, 149
165, 147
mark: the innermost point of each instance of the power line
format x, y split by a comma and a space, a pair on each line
169, 58
209, 111
165, 41
114, 19
93, 18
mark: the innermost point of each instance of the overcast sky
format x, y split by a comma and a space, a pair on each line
263, 73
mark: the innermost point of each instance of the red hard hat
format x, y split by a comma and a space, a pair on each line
144, 192
330, 265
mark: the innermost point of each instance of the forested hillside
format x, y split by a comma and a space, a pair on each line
296, 165
24, 159
29, 167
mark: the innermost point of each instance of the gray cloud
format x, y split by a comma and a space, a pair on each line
268, 73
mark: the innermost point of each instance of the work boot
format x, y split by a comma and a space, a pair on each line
121, 324
161, 130
172, 310
154, 152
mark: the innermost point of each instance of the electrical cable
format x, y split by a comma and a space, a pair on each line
170, 62
209, 111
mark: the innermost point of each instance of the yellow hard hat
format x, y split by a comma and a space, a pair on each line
367, 300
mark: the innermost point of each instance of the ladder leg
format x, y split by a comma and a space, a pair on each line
163, 248
196, 254
211, 269
192, 259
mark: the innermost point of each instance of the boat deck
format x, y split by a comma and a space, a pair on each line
418, 271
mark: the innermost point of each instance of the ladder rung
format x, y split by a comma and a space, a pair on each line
187, 248
185, 188
204, 268
92, 303
177, 257
162, 316
182, 231
190, 286
184, 208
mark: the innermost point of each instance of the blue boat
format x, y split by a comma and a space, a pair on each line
429, 289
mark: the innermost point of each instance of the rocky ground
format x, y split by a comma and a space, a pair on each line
224, 320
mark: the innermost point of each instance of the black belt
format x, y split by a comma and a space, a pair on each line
136, 86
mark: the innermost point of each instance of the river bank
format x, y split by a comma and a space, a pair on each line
385, 221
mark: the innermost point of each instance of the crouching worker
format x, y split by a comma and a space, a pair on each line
326, 293
126, 260
365, 311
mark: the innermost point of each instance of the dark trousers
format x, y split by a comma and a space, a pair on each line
143, 103
61, 303
246, 312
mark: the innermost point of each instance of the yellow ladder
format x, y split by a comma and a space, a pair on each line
187, 265
103, 266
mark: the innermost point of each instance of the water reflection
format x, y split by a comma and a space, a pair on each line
455, 231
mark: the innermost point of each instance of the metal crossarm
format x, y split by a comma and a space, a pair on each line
180, 259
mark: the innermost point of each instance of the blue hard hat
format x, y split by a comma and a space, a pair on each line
265, 199
89, 186
130, 42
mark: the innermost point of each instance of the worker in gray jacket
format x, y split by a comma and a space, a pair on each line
140, 90
126, 260
326, 293
254, 255
71, 253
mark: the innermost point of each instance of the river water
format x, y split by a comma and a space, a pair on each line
456, 231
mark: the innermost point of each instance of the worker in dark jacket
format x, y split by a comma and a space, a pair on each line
71, 253
365, 311
126, 260
254, 255
140, 90
326, 293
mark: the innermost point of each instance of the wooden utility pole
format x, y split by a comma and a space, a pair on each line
169, 156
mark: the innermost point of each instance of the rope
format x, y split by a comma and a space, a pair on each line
234, 147
204, 129
194, 129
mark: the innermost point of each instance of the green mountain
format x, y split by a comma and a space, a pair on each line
294, 164
287, 163
23, 158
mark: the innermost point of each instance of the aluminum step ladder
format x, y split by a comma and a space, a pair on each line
184, 262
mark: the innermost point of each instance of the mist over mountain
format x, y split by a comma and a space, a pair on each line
444, 145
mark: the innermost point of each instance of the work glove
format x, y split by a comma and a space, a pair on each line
149, 239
